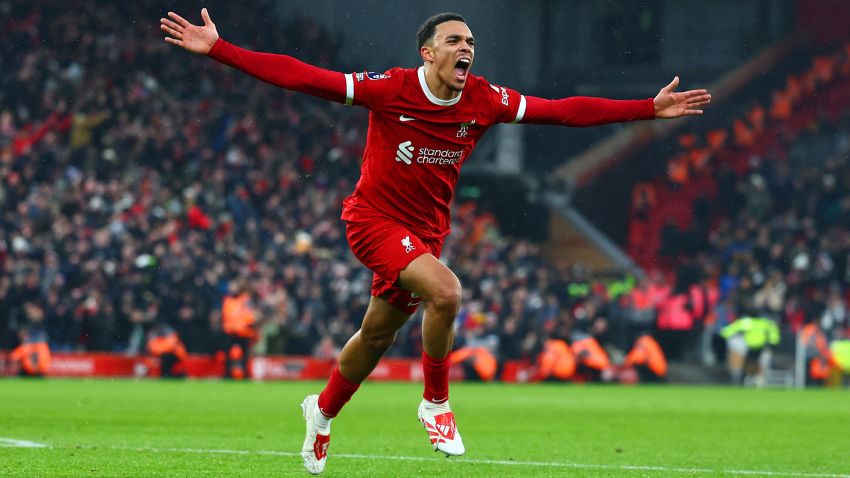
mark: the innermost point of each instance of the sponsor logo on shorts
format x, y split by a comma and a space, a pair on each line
408, 246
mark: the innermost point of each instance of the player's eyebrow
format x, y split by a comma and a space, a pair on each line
469, 39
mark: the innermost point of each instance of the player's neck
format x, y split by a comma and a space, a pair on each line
437, 87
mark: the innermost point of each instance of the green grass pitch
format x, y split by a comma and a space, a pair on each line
148, 428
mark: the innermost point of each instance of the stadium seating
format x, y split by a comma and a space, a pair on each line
760, 205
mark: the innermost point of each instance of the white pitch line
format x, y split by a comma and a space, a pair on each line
545, 464
13, 443
10, 442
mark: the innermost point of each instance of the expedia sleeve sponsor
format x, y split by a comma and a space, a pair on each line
439, 156
508, 105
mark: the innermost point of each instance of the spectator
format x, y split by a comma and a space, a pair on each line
164, 344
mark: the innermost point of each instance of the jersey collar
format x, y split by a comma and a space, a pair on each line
429, 95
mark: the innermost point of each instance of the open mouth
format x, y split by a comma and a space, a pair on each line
462, 68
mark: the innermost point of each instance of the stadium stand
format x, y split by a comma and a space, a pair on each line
131, 195
760, 206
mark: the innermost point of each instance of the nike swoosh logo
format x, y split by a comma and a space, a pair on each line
403, 118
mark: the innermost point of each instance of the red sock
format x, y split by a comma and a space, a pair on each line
337, 393
436, 375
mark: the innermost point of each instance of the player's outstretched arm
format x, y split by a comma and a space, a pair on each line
583, 111
279, 70
197, 39
671, 104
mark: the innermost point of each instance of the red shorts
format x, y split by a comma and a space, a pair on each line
387, 248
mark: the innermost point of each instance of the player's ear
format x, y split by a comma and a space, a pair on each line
426, 53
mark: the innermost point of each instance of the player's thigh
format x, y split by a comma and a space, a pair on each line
430, 279
382, 318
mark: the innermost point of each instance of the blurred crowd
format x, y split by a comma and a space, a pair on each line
779, 239
138, 181
139, 184
758, 212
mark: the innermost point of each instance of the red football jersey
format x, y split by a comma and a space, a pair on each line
416, 144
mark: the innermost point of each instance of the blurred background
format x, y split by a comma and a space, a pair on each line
162, 214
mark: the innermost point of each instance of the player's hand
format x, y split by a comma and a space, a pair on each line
672, 104
197, 39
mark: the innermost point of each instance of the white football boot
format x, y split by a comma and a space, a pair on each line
316, 441
439, 422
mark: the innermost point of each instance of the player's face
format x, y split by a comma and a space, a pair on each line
453, 51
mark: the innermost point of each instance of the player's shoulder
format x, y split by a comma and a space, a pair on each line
481, 87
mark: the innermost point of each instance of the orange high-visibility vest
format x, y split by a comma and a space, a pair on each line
483, 361
821, 365
646, 351
237, 317
34, 357
591, 354
167, 344
556, 360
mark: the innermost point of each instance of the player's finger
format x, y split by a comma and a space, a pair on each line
171, 24
174, 41
672, 86
691, 93
205, 16
700, 99
171, 32
180, 20
693, 112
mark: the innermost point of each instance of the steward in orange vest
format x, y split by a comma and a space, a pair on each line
239, 323
818, 356
164, 344
556, 361
648, 359
480, 358
33, 355
592, 361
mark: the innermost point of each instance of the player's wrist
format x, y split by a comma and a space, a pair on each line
215, 48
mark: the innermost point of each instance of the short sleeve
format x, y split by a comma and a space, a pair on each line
508, 105
371, 89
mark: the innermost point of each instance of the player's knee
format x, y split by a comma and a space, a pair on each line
377, 342
446, 300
